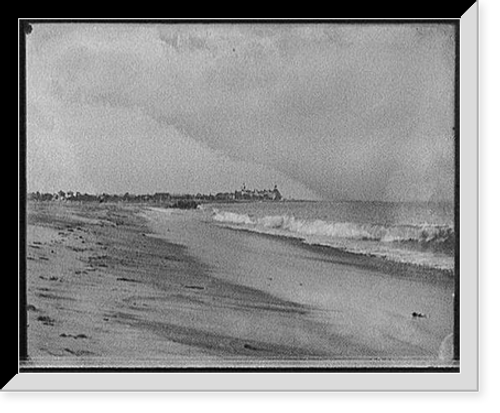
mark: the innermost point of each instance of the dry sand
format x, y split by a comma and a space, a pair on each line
100, 292
103, 290
88, 268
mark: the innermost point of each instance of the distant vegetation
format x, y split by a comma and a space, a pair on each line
182, 201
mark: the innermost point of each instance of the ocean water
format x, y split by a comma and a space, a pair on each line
415, 233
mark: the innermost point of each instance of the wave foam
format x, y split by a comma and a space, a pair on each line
423, 245
425, 234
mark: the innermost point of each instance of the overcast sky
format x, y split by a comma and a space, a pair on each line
325, 111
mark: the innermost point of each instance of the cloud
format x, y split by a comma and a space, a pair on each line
347, 110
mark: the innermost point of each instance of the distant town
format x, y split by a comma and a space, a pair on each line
174, 200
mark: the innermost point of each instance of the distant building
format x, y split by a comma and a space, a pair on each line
258, 195
225, 196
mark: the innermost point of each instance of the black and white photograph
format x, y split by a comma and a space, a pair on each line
241, 195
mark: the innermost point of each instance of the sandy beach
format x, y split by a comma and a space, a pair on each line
293, 202
124, 285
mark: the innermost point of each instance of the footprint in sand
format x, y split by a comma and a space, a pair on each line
50, 278
130, 280
79, 352
194, 287
253, 348
77, 336
46, 320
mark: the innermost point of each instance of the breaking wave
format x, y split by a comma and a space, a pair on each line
423, 234
350, 235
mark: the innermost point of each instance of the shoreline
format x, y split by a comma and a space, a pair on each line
366, 261
103, 289
418, 245
363, 303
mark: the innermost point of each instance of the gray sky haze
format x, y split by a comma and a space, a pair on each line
324, 110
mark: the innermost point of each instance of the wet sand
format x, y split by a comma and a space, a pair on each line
125, 286
359, 309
